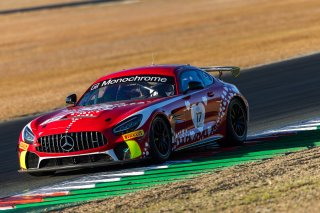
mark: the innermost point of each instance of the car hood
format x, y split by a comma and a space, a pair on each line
87, 118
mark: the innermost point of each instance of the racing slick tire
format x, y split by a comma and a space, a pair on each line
237, 124
160, 140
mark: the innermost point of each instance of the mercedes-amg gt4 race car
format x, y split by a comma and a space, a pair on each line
140, 113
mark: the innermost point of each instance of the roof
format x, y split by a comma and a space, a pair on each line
166, 70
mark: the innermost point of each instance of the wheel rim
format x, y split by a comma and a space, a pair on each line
238, 120
161, 136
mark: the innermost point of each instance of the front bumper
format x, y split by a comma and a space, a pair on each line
32, 158
79, 166
32, 162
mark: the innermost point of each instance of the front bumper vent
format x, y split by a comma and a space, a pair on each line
32, 160
77, 160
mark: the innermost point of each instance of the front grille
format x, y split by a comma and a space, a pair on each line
71, 142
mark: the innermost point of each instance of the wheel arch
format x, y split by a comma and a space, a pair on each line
164, 117
166, 120
244, 103
231, 138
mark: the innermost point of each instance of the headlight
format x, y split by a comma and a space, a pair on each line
28, 136
127, 125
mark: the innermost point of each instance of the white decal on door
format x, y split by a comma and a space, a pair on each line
198, 112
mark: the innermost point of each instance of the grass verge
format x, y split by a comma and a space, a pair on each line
283, 184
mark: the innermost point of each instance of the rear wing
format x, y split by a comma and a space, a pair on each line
235, 71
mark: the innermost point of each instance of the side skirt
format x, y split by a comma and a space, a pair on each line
200, 143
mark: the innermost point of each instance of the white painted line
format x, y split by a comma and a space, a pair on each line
313, 121
89, 181
125, 174
300, 128
293, 129
3, 208
304, 125
98, 180
160, 167
45, 194
89, 186
178, 161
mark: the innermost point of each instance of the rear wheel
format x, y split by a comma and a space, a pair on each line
160, 140
237, 125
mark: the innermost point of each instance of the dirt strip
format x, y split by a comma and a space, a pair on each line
46, 55
15, 4
289, 183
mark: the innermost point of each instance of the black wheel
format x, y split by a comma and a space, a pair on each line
237, 125
160, 140
41, 174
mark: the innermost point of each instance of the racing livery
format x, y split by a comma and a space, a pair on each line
147, 112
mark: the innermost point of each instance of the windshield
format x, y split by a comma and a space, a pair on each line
129, 88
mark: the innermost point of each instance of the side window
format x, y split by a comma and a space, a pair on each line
188, 76
207, 78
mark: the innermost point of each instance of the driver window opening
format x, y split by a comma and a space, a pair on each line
128, 91
188, 76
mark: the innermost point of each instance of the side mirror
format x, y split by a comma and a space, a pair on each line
71, 99
195, 85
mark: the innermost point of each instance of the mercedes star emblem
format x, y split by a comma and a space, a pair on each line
66, 143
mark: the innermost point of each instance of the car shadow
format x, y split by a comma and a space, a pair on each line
253, 149
258, 148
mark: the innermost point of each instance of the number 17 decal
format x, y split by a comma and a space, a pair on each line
198, 112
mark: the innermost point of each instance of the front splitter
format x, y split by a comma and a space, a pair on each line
81, 166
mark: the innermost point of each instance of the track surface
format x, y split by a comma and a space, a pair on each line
278, 94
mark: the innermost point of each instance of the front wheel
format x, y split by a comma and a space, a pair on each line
160, 140
237, 125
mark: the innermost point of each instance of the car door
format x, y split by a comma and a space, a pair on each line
195, 102
211, 95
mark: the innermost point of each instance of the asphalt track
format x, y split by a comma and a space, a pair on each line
279, 94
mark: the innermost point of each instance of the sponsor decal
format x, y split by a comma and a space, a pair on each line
88, 111
137, 78
24, 146
134, 148
201, 130
145, 152
185, 136
22, 160
198, 112
132, 135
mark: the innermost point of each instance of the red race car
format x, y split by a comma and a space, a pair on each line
146, 112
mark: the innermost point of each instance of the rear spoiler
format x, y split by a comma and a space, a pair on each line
235, 71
